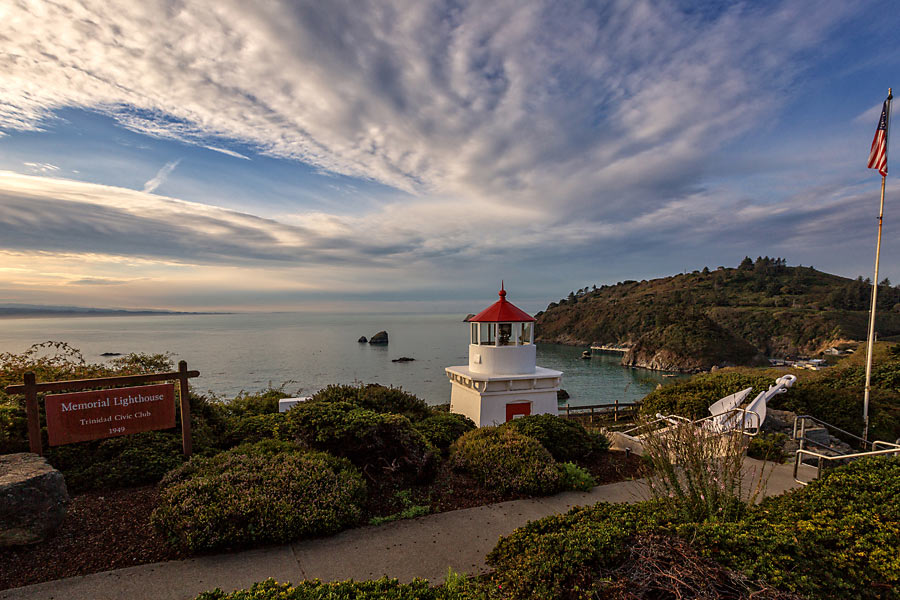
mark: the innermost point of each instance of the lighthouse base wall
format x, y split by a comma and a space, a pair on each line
492, 408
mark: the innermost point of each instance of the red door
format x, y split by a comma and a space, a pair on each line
517, 409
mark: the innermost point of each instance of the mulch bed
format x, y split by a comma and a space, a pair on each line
106, 530
102, 531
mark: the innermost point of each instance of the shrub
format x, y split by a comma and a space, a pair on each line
768, 446
565, 439
835, 538
261, 403
576, 478
443, 428
377, 398
253, 428
375, 442
13, 429
117, 462
502, 459
550, 557
257, 493
386, 589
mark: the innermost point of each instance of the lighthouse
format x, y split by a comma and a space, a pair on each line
502, 381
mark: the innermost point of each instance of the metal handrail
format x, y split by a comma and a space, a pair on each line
803, 418
823, 457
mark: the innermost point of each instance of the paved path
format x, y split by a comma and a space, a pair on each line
424, 547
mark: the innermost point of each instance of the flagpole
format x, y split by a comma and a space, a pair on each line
870, 345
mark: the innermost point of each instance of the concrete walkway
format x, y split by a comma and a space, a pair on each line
424, 547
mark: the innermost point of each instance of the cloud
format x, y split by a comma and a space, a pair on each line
161, 176
42, 168
227, 151
598, 109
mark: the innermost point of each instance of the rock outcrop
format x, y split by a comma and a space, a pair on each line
33, 499
403, 359
379, 339
468, 316
362, 339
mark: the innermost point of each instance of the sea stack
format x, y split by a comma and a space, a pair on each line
379, 339
362, 339
502, 381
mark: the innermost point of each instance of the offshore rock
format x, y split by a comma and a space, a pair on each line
362, 339
403, 359
379, 339
33, 499
468, 316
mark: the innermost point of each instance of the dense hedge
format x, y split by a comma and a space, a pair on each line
257, 493
441, 429
380, 589
375, 442
566, 440
376, 398
117, 462
553, 557
836, 538
502, 459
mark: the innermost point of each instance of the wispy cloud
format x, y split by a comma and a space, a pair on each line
41, 168
161, 176
227, 151
602, 108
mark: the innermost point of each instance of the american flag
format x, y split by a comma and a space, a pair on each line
878, 153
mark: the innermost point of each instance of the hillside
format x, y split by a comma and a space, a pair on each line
729, 316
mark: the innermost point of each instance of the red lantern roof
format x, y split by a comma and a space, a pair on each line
502, 311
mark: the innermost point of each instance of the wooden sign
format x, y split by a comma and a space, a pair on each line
82, 416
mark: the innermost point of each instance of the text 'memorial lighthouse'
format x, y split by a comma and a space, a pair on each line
502, 381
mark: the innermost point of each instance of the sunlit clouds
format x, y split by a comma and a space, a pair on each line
509, 139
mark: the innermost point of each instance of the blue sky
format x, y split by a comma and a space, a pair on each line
408, 155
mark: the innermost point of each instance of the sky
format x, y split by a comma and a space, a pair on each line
407, 155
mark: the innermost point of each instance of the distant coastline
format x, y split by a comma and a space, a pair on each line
37, 312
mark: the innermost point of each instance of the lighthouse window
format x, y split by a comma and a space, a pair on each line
505, 332
487, 334
474, 333
525, 338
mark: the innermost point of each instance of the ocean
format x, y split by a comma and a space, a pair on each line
304, 352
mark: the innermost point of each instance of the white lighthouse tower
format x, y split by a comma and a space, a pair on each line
502, 381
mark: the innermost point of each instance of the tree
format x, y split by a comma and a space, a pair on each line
746, 264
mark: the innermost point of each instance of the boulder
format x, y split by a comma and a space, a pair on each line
379, 339
562, 395
468, 316
362, 339
33, 499
403, 359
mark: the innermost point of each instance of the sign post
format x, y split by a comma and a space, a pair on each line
98, 414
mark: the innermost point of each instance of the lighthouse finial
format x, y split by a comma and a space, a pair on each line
502, 290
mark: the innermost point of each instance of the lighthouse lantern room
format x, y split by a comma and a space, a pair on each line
502, 381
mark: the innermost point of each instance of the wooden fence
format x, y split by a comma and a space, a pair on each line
617, 410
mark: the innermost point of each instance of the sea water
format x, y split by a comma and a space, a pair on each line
304, 352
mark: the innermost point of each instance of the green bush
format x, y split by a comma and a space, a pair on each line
576, 478
549, 558
253, 428
692, 398
565, 439
443, 428
269, 492
379, 589
117, 462
375, 442
768, 446
836, 538
261, 403
13, 429
377, 398
502, 459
